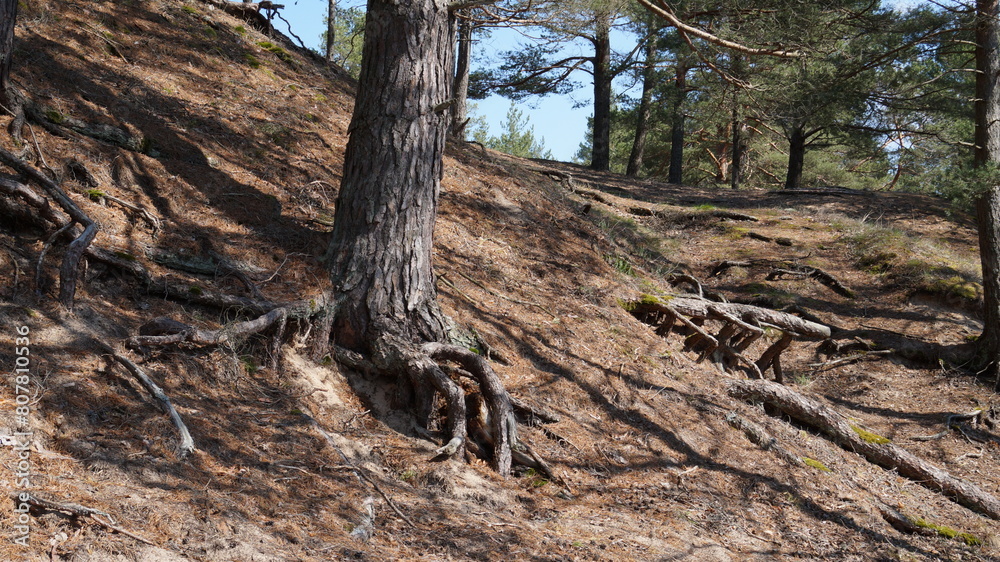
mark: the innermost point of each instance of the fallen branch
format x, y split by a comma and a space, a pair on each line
814, 273
77, 510
875, 448
851, 359
186, 445
949, 425
151, 220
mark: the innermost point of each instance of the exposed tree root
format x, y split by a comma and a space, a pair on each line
742, 325
392, 355
952, 423
876, 449
913, 525
186, 445
501, 424
782, 268
71, 261
814, 273
759, 436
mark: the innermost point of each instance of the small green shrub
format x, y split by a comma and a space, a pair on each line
620, 264
277, 51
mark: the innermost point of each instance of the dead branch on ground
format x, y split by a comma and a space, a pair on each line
77, 510
781, 268
875, 448
186, 445
742, 325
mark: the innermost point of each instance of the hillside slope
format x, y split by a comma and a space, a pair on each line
233, 144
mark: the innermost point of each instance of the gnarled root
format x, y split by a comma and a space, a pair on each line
502, 424
82, 239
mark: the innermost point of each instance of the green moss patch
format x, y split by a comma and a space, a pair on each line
816, 464
948, 532
869, 437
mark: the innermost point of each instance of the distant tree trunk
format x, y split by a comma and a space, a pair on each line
331, 29
739, 149
645, 108
601, 156
8, 17
987, 154
380, 252
796, 157
676, 173
459, 109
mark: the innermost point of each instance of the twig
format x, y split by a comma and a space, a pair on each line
150, 219
118, 529
78, 510
851, 359
505, 297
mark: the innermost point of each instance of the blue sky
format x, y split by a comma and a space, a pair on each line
560, 120
554, 118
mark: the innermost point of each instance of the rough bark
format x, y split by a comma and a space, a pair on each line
601, 156
331, 30
739, 149
8, 18
676, 172
380, 252
384, 299
463, 56
876, 449
987, 153
796, 157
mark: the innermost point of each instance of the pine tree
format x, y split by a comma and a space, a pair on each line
517, 139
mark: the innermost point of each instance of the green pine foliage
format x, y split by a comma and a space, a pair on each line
517, 138
349, 37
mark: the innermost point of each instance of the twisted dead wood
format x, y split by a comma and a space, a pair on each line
742, 324
876, 449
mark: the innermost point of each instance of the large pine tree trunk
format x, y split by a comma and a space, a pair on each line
645, 108
8, 17
676, 172
987, 153
739, 149
796, 158
380, 253
459, 109
601, 157
331, 29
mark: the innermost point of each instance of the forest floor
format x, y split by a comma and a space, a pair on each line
241, 142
